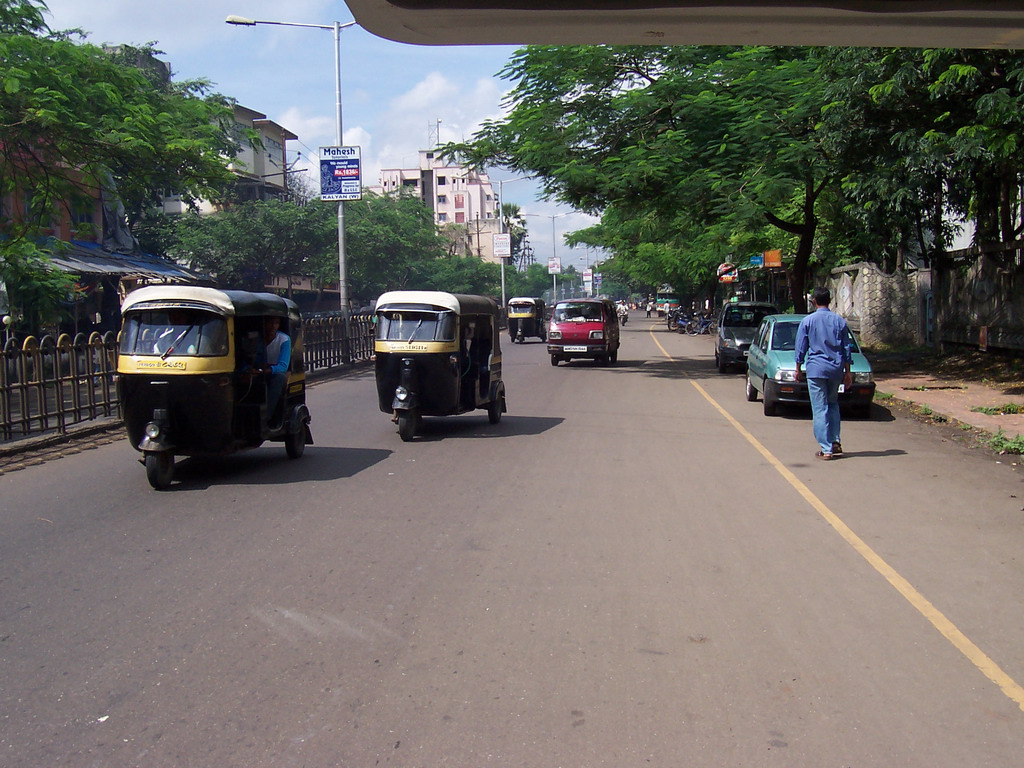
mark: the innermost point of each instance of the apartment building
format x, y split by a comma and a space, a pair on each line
456, 195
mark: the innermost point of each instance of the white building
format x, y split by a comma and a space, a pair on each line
456, 195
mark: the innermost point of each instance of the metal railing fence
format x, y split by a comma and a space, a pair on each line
50, 384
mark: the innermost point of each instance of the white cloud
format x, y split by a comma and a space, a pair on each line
405, 125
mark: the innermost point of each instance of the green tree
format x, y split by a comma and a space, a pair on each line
77, 119
532, 281
391, 244
244, 246
929, 133
689, 154
461, 274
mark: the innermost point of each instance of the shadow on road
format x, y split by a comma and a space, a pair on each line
793, 412
270, 466
683, 368
442, 427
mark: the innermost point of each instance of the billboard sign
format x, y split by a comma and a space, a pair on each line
340, 173
502, 245
554, 266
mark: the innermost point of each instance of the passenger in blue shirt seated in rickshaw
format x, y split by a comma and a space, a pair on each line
272, 361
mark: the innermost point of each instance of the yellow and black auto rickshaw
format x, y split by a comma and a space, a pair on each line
526, 319
195, 376
437, 354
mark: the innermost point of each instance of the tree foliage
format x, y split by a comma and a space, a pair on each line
246, 245
391, 244
75, 119
697, 155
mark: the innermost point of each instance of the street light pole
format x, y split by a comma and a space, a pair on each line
336, 28
339, 140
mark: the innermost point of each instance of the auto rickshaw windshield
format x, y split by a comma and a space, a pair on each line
166, 332
416, 325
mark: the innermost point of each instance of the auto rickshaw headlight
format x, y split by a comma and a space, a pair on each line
401, 393
597, 334
152, 430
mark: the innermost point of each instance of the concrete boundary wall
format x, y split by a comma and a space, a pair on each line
882, 309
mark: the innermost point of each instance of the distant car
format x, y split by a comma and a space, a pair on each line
737, 324
771, 369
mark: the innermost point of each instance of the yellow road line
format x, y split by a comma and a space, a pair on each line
947, 628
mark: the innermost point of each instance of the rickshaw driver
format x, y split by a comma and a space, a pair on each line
273, 363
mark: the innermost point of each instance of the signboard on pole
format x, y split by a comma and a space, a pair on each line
554, 266
728, 273
773, 258
757, 261
502, 245
340, 173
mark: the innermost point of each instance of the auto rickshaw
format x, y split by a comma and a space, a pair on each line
437, 354
526, 318
189, 379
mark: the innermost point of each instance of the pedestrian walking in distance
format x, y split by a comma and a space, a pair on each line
823, 358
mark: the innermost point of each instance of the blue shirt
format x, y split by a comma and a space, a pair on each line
823, 344
277, 354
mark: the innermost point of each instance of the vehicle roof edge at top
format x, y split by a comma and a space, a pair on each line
460, 303
240, 303
892, 23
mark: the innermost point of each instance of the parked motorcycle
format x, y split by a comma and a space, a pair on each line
677, 319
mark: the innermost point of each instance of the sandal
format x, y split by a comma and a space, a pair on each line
837, 448
824, 456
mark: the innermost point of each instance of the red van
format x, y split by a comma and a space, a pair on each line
584, 328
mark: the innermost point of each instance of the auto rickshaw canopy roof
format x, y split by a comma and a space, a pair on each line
236, 303
459, 303
527, 300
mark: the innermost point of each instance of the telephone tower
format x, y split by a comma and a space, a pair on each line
434, 133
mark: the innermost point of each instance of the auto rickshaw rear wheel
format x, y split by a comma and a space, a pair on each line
495, 408
408, 424
295, 442
159, 469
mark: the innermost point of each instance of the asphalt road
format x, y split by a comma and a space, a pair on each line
635, 568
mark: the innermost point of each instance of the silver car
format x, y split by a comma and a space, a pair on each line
737, 324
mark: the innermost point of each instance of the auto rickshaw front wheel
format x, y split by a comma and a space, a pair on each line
408, 424
159, 469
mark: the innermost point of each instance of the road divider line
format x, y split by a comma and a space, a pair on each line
1012, 689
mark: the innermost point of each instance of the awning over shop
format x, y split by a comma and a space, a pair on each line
84, 258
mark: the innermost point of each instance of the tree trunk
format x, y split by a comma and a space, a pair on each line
798, 272
806, 229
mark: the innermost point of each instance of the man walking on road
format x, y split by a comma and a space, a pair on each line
823, 357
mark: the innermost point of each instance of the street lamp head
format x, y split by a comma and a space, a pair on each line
241, 20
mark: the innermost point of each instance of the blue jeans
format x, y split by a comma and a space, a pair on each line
824, 394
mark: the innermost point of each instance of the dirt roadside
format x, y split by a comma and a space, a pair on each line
949, 391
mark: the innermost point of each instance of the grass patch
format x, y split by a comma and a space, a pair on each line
999, 410
1000, 443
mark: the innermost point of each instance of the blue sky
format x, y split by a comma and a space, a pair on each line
392, 93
